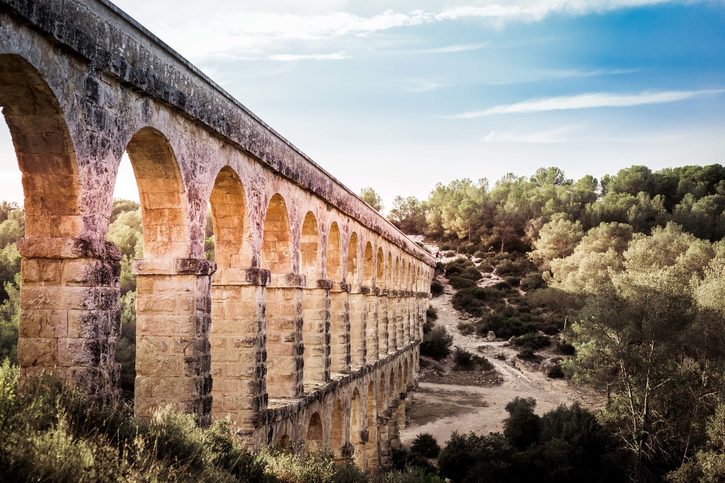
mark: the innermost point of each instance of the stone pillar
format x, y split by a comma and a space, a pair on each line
391, 322
316, 334
372, 324
237, 346
399, 320
173, 361
382, 313
357, 328
283, 320
384, 453
69, 311
339, 329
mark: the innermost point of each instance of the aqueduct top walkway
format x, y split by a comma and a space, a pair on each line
305, 327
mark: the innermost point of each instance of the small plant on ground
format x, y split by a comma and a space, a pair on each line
465, 361
532, 341
436, 343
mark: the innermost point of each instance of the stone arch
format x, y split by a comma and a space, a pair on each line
164, 293
314, 436
368, 265
356, 428
54, 216
338, 302
337, 432
352, 257
44, 150
333, 260
229, 219
235, 340
161, 191
276, 245
283, 443
372, 427
391, 385
390, 271
382, 403
309, 249
396, 274
401, 378
380, 269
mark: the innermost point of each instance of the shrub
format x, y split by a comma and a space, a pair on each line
522, 427
532, 280
555, 371
465, 361
474, 300
462, 456
527, 354
437, 343
431, 313
436, 288
459, 283
566, 348
427, 327
425, 445
512, 280
532, 341
518, 267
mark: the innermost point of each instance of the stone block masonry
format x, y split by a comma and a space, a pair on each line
305, 328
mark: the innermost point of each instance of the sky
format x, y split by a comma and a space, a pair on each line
400, 95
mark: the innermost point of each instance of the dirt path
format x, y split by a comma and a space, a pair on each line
441, 409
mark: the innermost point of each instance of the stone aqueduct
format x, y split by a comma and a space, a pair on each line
305, 329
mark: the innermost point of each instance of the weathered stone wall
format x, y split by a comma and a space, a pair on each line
304, 329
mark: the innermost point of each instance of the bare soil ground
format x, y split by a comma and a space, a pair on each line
476, 402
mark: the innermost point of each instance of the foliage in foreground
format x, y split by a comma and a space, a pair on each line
51, 432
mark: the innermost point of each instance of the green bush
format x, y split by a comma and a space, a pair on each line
436, 343
475, 300
466, 328
425, 445
566, 348
522, 427
436, 288
555, 371
465, 361
512, 280
532, 341
459, 282
532, 280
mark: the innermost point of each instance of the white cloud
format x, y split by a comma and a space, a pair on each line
449, 49
587, 101
297, 57
231, 31
551, 136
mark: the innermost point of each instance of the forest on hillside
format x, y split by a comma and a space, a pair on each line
630, 269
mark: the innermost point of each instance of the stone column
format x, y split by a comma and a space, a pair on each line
173, 361
373, 327
339, 328
357, 312
382, 313
237, 346
316, 334
69, 311
283, 320
392, 344
400, 320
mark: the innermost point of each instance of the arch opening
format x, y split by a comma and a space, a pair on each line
276, 244
314, 439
